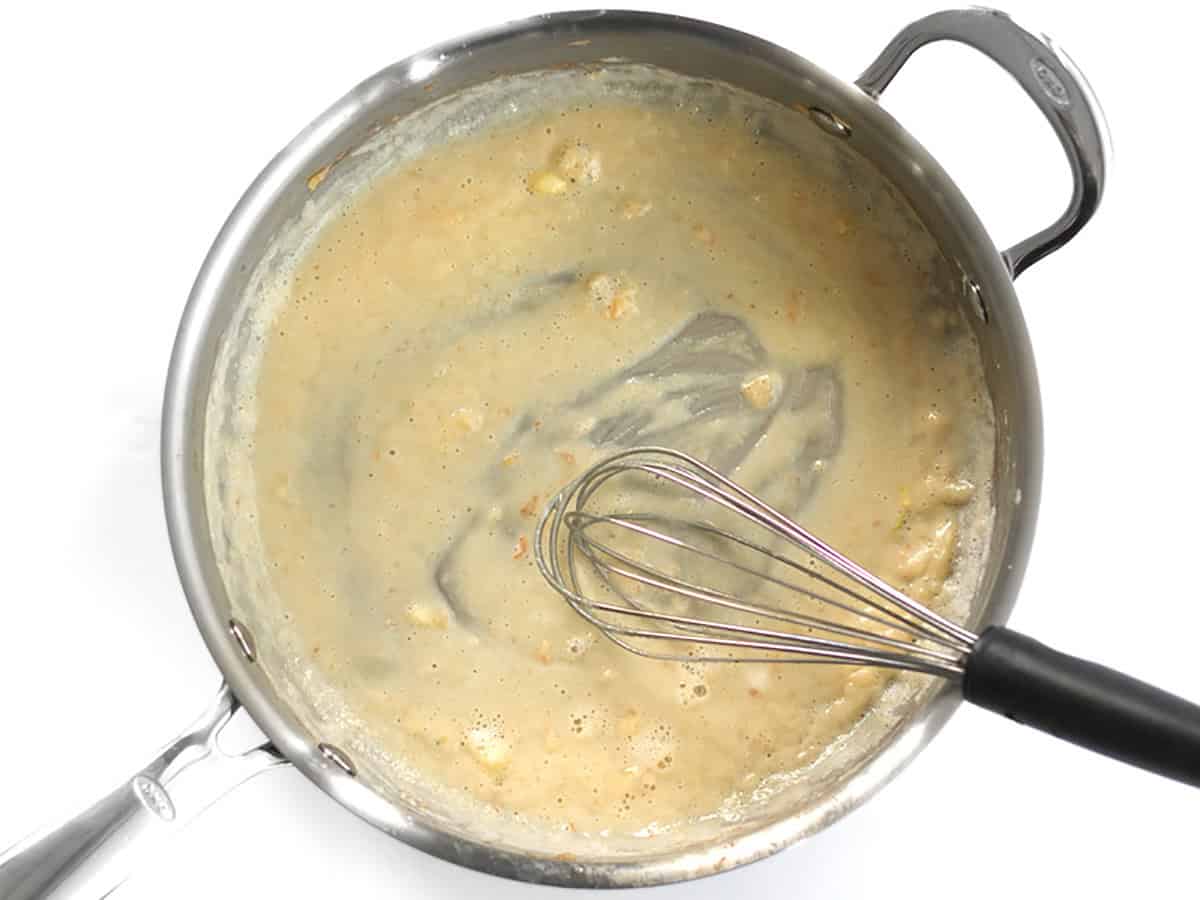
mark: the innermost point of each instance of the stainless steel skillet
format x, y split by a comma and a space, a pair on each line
88, 855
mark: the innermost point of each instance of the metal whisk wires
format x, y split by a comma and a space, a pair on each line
701, 570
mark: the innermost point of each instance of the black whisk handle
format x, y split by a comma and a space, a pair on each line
1084, 703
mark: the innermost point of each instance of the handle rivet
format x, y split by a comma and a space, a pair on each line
830, 123
243, 638
338, 758
975, 295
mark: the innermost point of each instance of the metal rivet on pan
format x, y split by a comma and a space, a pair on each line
975, 293
245, 640
338, 758
827, 121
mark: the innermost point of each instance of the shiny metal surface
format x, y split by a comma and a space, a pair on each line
1050, 79
626, 553
281, 191
690, 48
828, 122
338, 757
244, 639
93, 852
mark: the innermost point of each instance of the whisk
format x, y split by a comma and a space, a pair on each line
719, 576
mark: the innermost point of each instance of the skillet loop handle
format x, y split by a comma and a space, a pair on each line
1050, 79
90, 854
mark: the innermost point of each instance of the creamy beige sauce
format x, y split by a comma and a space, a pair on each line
438, 364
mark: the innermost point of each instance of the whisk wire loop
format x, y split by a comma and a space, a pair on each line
574, 551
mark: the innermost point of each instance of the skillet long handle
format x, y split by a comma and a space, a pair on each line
1084, 703
91, 853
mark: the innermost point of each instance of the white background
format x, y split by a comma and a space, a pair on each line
131, 131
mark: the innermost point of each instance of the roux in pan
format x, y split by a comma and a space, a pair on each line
484, 320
